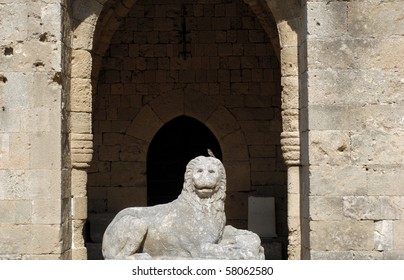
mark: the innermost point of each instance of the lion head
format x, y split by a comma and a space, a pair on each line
205, 177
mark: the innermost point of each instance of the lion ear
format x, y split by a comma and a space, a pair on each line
210, 153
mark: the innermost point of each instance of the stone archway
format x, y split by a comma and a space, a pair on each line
215, 117
287, 15
90, 36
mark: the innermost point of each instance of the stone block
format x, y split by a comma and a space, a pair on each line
256, 132
79, 208
123, 197
99, 179
293, 206
80, 123
287, 36
394, 255
290, 120
374, 19
10, 120
233, 147
97, 199
45, 150
257, 151
336, 117
222, 122
81, 95
11, 257
23, 212
355, 87
398, 237
252, 114
145, 125
14, 151
15, 90
11, 22
342, 235
263, 164
367, 255
238, 175
327, 19
79, 11
198, 106
289, 61
45, 257
373, 207
265, 178
327, 208
340, 53
77, 234
30, 239
46, 212
40, 120
169, 106
383, 235
128, 174
236, 206
81, 64
329, 147
83, 38
330, 255
78, 182
133, 150
385, 181
221, 23
112, 138
290, 96
29, 184
256, 36
377, 147
249, 62
8, 208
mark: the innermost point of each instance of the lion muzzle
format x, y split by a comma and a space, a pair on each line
206, 180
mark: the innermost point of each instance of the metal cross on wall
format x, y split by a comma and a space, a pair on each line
184, 52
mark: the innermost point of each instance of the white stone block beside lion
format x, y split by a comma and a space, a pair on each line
190, 227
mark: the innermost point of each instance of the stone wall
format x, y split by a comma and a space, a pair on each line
353, 129
230, 73
30, 129
349, 197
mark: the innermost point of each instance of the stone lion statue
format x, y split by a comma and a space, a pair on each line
192, 226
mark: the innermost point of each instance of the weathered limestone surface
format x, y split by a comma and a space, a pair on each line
354, 110
342, 115
30, 129
190, 227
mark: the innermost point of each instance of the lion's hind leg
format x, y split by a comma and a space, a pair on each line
124, 238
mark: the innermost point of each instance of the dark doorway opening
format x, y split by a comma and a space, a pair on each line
173, 146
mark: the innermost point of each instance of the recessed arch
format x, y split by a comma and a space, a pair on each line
92, 26
173, 146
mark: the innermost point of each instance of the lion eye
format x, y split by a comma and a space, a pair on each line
200, 170
211, 171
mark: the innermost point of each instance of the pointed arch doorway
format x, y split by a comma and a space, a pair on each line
173, 146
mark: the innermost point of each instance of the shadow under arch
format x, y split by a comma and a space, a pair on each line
173, 146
